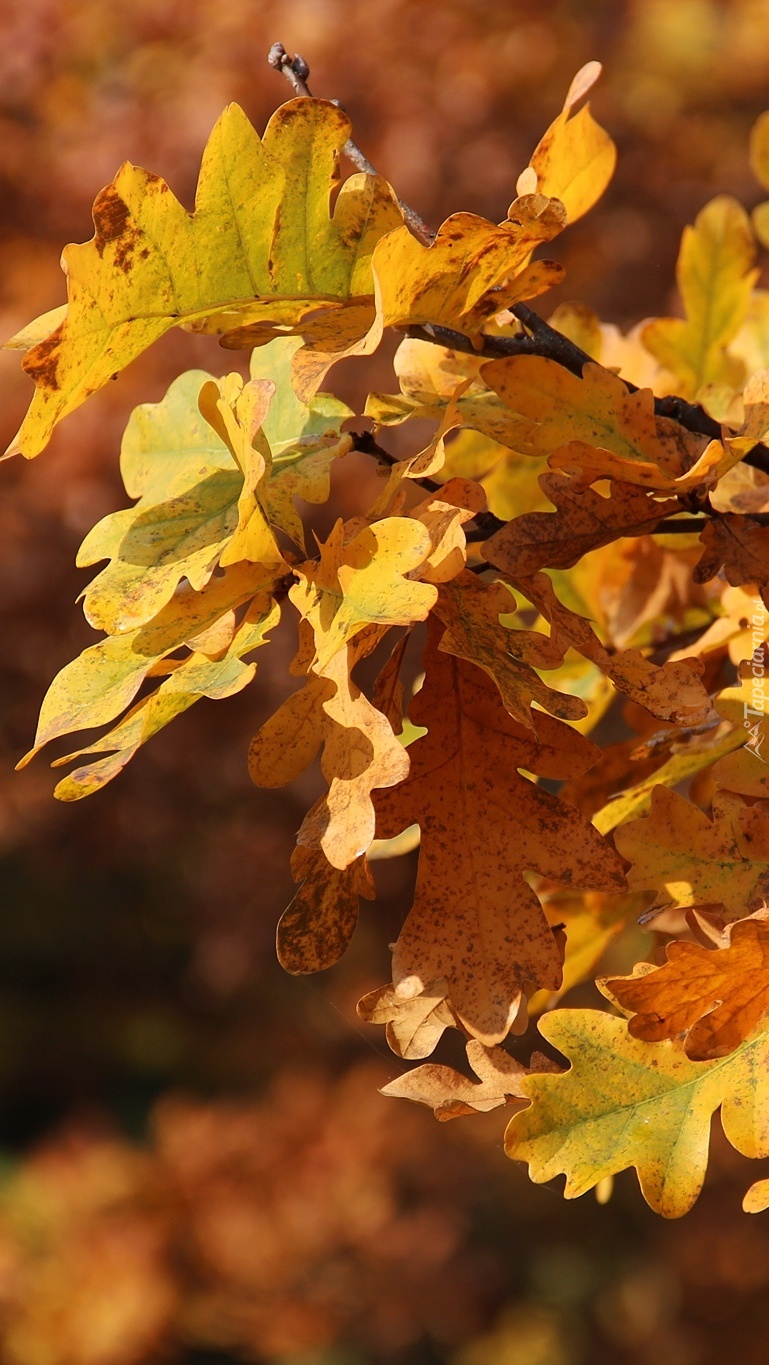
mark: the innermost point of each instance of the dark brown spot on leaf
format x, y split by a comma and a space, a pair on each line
42, 361
110, 217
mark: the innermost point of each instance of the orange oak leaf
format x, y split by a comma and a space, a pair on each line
475, 921
582, 419
470, 610
450, 1094
413, 1026
689, 860
315, 929
670, 692
583, 520
716, 997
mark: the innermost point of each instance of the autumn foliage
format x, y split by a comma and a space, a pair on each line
540, 626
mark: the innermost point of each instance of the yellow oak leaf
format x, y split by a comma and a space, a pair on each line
196, 676
471, 271
196, 508
260, 246
757, 1197
360, 753
444, 515
711, 998
363, 581
94, 688
626, 1103
689, 860
575, 159
315, 929
475, 922
715, 279
414, 1026
450, 1094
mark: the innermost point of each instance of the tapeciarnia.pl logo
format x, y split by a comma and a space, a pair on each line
757, 683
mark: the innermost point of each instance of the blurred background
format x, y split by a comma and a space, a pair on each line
196, 1164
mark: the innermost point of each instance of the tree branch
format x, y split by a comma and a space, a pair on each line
368, 445
296, 71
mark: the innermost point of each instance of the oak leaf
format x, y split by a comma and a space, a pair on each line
672, 691
450, 1094
593, 422
471, 270
475, 921
255, 249
741, 547
189, 679
315, 929
413, 1026
196, 508
712, 998
575, 159
95, 687
471, 610
715, 278
363, 581
625, 1103
689, 860
757, 1197
360, 753
583, 520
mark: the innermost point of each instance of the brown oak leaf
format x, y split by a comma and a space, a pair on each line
470, 609
450, 1094
475, 922
741, 546
671, 692
583, 520
315, 929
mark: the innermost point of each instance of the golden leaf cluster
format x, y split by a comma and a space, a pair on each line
576, 565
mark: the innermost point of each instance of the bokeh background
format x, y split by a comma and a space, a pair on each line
196, 1164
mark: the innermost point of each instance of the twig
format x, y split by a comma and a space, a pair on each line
366, 443
296, 71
